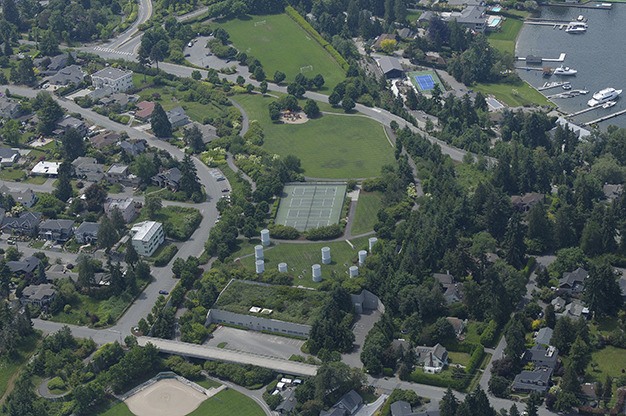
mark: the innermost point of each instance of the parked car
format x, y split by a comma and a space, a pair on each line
225, 190
163, 292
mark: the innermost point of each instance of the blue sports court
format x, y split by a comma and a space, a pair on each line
425, 82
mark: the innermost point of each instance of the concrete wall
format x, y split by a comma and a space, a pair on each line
257, 323
365, 301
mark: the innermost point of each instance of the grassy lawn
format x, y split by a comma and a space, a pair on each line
300, 258
12, 174
119, 409
514, 95
228, 402
367, 208
459, 358
268, 42
610, 360
178, 222
170, 98
8, 367
471, 333
79, 314
335, 147
207, 383
504, 39
35, 180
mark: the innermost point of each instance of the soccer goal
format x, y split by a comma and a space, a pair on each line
260, 23
307, 68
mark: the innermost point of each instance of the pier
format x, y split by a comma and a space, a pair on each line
550, 85
534, 59
568, 94
583, 111
604, 118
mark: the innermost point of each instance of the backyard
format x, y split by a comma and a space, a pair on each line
610, 361
367, 208
515, 95
264, 38
504, 39
332, 146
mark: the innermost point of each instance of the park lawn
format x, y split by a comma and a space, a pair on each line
504, 39
119, 409
300, 258
331, 147
207, 383
228, 402
281, 45
8, 368
611, 361
367, 208
459, 358
514, 95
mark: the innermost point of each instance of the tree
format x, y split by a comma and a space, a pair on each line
195, 74
152, 205
563, 335
64, 189
580, 355
117, 220
10, 13
515, 248
279, 77
608, 390
86, 272
311, 109
11, 132
73, 144
602, 292
259, 74
131, 256
144, 167
550, 316
263, 87
161, 126
48, 112
12, 254
107, 235
532, 405
318, 81
539, 227
388, 46
449, 404
334, 98
189, 183
347, 104
95, 196
49, 45
25, 72
193, 138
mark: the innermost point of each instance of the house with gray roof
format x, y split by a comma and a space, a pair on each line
87, 233
288, 404
70, 122
573, 282
133, 147
88, 168
473, 17
24, 224
433, 359
612, 191
390, 66
525, 202
177, 117
451, 289
40, 295
24, 267
119, 173
56, 230
580, 132
349, 404
168, 179
9, 108
8, 156
575, 309
542, 356
403, 408
543, 337
536, 380
26, 197
72, 74
106, 138
558, 303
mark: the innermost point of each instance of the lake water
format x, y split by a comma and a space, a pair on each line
599, 55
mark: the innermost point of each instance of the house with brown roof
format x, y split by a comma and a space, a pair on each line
144, 110
525, 202
104, 139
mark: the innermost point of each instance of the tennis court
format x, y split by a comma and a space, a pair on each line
425, 81
311, 205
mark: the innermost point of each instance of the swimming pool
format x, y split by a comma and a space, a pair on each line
494, 21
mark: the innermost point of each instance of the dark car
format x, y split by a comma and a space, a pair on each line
163, 292
69, 266
225, 190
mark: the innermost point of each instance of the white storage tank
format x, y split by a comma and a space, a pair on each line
372, 241
326, 255
260, 266
316, 270
362, 257
258, 253
282, 267
353, 271
265, 237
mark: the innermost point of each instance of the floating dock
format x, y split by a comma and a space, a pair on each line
583, 111
601, 6
604, 118
533, 59
550, 85
568, 94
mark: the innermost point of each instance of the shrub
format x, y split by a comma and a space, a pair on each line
57, 383
283, 232
489, 335
324, 233
165, 255
475, 359
243, 375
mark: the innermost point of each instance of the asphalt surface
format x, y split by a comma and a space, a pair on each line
256, 342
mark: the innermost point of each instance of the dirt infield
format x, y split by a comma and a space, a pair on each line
168, 397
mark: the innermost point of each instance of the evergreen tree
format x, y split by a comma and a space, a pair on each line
131, 256
550, 316
152, 205
602, 292
449, 404
563, 335
161, 126
539, 227
10, 12
11, 132
107, 235
48, 112
193, 138
73, 144
49, 45
25, 71
608, 391
189, 183
117, 220
63, 189
515, 248
579, 355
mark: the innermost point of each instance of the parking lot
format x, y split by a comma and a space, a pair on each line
256, 342
200, 55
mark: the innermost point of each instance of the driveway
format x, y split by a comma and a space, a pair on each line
364, 322
201, 56
256, 342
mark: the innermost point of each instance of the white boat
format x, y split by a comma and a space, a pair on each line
602, 96
566, 86
609, 104
564, 71
580, 18
576, 27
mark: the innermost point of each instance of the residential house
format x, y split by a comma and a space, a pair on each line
118, 80
390, 66
118, 99
104, 139
70, 122
125, 205
133, 148
406, 33
589, 391
435, 58
379, 40
25, 224
43, 168
25, 267
118, 173
26, 197
542, 356
88, 168
525, 202
177, 117
59, 271
580, 132
402, 408
349, 404
458, 325
558, 303
289, 402
40, 295
612, 191
433, 359
452, 290
144, 110
87, 233
575, 309
8, 157
9, 108
147, 236
168, 179
543, 337
473, 18
56, 230
537, 380
72, 74
573, 282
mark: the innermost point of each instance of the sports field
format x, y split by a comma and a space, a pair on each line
311, 205
281, 45
425, 81
330, 147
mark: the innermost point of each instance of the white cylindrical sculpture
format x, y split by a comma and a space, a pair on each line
265, 237
362, 257
353, 271
258, 253
372, 241
326, 255
282, 267
260, 266
316, 270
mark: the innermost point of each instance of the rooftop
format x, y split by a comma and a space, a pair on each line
46, 168
111, 73
145, 230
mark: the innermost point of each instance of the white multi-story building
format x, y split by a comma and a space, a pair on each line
117, 80
147, 237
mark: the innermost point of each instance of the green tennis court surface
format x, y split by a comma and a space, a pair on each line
311, 205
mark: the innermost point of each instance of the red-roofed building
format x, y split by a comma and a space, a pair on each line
144, 110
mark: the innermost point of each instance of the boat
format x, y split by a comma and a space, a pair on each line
580, 18
576, 27
602, 96
609, 104
566, 86
564, 71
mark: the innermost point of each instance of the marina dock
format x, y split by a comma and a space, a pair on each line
533, 59
604, 118
583, 111
550, 85
568, 94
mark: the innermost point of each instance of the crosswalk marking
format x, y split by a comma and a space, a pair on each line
109, 50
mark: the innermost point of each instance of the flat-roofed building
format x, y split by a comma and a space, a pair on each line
147, 237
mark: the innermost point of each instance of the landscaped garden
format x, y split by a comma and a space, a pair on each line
331, 146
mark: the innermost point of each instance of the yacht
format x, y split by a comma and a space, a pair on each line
566, 86
602, 96
565, 70
576, 27
609, 104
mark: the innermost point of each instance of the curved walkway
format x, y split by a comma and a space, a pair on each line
245, 126
44, 392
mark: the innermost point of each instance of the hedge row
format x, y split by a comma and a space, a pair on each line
436, 380
165, 255
489, 336
283, 232
324, 233
475, 360
301, 21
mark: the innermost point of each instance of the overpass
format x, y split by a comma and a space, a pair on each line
206, 352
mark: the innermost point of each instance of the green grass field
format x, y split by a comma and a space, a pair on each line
504, 39
515, 95
300, 258
118, 409
170, 98
8, 367
459, 358
611, 361
332, 146
281, 45
228, 402
367, 208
